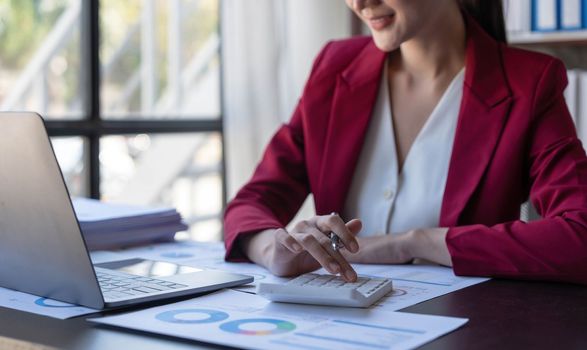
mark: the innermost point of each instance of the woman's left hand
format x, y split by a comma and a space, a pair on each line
426, 244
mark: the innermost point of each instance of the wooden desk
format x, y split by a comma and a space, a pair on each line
502, 315
513, 315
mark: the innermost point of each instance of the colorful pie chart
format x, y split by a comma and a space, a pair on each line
258, 326
191, 316
51, 303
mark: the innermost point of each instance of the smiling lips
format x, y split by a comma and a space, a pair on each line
380, 22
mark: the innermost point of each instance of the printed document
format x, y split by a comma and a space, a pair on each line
248, 321
42, 306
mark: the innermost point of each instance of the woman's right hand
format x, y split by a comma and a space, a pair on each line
305, 248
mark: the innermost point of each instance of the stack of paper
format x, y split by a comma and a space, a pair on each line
115, 226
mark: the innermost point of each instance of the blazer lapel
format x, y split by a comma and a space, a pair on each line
484, 110
354, 98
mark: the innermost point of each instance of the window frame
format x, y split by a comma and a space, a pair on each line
93, 126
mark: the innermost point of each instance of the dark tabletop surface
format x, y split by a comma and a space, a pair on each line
502, 315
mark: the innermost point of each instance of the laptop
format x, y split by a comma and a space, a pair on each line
42, 249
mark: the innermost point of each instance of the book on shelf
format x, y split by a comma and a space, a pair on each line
544, 15
525, 16
517, 15
570, 14
115, 226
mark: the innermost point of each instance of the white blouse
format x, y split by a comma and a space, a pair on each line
389, 201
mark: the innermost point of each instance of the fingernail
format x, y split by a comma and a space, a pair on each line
334, 267
354, 247
296, 247
350, 275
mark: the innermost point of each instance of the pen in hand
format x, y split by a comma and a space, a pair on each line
335, 242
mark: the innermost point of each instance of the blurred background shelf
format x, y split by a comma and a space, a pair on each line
578, 37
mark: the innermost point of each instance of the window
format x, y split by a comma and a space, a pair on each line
130, 92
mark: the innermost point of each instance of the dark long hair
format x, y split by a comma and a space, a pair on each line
489, 14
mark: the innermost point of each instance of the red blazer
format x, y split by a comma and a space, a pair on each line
515, 139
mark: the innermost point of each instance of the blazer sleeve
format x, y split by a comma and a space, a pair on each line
278, 186
555, 247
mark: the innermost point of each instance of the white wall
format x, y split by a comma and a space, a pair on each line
312, 23
268, 49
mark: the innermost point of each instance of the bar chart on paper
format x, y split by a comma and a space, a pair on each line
341, 334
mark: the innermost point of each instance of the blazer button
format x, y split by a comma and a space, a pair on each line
388, 194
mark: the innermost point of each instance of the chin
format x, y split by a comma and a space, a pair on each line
386, 45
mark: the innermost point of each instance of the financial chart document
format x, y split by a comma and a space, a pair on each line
249, 321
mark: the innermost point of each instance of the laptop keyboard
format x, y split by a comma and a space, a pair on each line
115, 286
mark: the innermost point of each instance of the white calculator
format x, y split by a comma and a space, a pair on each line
320, 289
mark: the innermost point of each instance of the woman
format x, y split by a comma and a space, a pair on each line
426, 138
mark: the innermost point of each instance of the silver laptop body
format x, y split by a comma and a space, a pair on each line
42, 250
